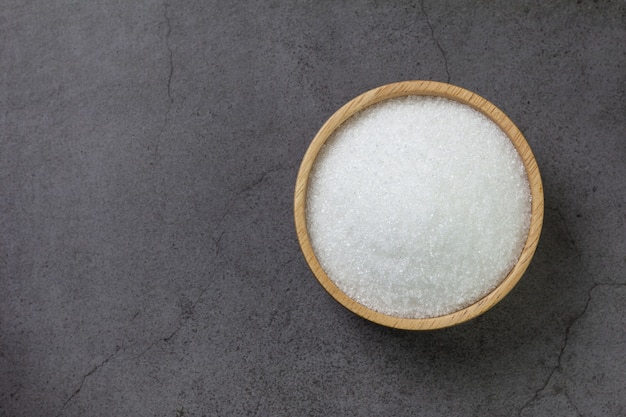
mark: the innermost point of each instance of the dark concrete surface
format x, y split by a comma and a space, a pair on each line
148, 260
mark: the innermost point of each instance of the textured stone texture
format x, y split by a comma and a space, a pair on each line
148, 259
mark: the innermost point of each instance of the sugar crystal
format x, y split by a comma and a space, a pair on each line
418, 206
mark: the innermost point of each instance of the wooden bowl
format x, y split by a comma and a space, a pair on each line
421, 88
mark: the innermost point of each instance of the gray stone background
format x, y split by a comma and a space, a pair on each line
148, 259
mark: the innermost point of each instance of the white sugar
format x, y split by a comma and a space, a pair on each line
418, 206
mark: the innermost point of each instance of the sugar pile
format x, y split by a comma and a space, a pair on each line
418, 206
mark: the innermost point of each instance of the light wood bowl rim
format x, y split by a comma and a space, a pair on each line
421, 88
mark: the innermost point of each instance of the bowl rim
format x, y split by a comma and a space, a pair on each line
435, 89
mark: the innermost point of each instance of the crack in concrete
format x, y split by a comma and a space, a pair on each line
434, 38
559, 364
160, 339
261, 178
84, 378
569, 400
290, 260
568, 327
217, 241
168, 25
579, 253
246, 189
169, 50
183, 320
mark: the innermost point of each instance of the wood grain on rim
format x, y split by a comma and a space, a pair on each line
421, 88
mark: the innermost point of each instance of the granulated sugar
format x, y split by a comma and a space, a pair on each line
418, 206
